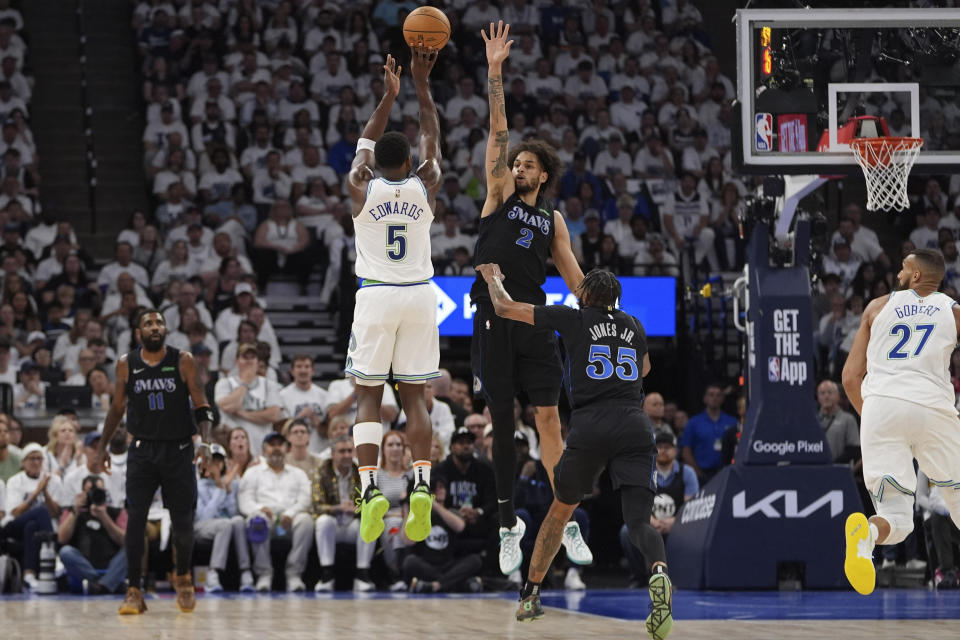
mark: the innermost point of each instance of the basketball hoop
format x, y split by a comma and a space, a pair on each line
886, 164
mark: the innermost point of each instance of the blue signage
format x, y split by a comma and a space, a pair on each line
651, 300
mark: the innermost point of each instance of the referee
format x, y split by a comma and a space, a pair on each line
161, 384
606, 361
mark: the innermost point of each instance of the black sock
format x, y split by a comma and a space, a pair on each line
326, 574
530, 589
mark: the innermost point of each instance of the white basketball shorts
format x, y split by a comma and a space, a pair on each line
893, 432
394, 327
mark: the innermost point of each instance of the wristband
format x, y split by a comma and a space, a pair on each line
203, 414
365, 143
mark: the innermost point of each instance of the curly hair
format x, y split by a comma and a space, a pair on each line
550, 162
600, 289
391, 150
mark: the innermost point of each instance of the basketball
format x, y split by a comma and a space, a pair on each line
427, 25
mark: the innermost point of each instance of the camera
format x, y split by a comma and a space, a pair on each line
96, 496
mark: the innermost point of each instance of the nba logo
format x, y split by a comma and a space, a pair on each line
764, 135
773, 369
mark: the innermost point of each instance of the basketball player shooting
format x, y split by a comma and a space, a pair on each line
156, 385
906, 403
518, 231
394, 325
607, 355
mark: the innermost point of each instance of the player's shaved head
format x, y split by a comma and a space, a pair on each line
929, 263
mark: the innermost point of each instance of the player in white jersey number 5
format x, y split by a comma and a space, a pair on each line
394, 325
897, 377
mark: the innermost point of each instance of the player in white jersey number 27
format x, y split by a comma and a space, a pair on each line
897, 377
394, 325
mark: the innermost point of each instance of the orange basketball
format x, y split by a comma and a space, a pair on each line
426, 25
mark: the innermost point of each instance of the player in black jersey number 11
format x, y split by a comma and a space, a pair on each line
606, 360
157, 388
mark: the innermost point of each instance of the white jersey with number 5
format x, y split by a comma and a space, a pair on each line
393, 232
908, 356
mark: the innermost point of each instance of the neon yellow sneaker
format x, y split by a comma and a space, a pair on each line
421, 504
372, 508
660, 620
859, 562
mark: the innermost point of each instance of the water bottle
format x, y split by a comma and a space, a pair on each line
279, 526
46, 580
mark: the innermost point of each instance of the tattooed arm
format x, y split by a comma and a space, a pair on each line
503, 304
499, 177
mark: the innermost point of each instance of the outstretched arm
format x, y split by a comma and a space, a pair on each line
422, 60
499, 182
361, 171
503, 304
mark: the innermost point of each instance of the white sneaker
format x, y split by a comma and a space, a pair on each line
30, 581
515, 577
363, 586
398, 586
323, 587
889, 564
573, 582
511, 557
246, 581
212, 583
264, 583
916, 564
295, 584
577, 550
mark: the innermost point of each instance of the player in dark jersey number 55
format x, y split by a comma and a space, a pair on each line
156, 385
607, 358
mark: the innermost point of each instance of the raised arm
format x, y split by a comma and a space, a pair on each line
422, 60
361, 171
499, 178
115, 414
503, 304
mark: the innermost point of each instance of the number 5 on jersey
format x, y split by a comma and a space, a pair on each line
602, 368
396, 242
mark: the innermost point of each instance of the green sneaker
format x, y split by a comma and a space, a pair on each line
372, 507
421, 504
660, 620
529, 609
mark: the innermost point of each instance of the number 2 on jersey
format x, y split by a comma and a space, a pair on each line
905, 332
396, 242
626, 360
526, 237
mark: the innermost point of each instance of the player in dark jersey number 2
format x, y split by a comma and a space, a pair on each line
155, 387
606, 361
519, 232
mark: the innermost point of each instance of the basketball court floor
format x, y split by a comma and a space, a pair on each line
887, 614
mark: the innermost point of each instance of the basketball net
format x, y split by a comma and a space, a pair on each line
886, 164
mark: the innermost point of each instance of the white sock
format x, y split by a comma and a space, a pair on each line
874, 534
368, 476
421, 471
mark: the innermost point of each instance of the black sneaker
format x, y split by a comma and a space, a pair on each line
529, 609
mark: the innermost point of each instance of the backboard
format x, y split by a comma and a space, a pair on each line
802, 74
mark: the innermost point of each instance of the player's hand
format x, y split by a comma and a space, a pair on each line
103, 459
490, 272
422, 59
498, 47
391, 76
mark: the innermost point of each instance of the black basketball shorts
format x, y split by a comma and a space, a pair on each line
508, 357
618, 436
167, 464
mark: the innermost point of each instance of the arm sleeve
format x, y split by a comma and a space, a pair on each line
557, 317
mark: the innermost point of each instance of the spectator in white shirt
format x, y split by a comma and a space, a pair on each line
156, 136
216, 184
247, 400
31, 505
123, 261
585, 84
272, 183
30, 392
443, 245
465, 98
653, 160
275, 499
686, 217
613, 159
925, 236
73, 480
440, 414
458, 202
304, 400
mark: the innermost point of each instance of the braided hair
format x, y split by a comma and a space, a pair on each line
600, 289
